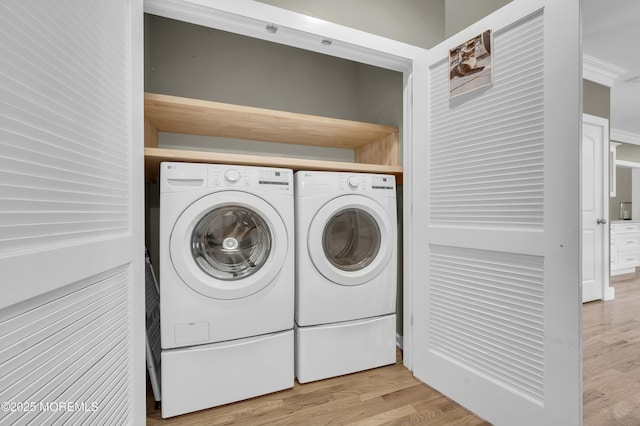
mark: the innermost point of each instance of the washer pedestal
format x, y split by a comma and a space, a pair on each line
330, 350
205, 376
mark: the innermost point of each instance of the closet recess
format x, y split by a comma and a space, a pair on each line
375, 146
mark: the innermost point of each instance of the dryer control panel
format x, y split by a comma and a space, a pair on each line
365, 182
315, 183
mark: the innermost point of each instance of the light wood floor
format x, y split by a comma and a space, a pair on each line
611, 357
382, 396
392, 396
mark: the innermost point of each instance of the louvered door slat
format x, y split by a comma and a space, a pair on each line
53, 349
504, 339
67, 167
492, 143
64, 136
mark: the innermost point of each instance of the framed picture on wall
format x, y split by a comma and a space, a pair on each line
471, 65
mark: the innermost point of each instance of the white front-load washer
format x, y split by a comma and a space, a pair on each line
346, 273
226, 284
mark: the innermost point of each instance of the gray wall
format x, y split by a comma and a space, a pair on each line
628, 152
462, 13
623, 191
624, 179
193, 61
417, 22
596, 99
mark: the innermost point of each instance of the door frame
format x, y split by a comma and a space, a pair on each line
608, 292
250, 19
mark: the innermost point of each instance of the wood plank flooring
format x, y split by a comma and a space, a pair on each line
382, 396
611, 357
392, 396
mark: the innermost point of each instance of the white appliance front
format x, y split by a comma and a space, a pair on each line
226, 252
335, 349
204, 376
346, 237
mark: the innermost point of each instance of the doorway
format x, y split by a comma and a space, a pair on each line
595, 209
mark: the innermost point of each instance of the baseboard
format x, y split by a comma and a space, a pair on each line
610, 293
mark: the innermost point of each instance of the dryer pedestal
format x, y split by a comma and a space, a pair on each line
330, 350
199, 377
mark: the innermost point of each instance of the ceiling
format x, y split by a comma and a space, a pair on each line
610, 33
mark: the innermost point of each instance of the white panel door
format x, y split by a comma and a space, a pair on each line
595, 209
496, 239
71, 215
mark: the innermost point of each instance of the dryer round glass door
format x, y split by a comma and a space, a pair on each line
228, 245
351, 239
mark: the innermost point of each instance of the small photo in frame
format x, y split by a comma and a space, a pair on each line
471, 65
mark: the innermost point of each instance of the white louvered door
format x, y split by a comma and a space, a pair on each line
497, 320
71, 215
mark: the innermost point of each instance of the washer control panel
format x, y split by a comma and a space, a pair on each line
176, 177
237, 176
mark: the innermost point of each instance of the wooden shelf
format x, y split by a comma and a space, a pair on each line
375, 146
154, 156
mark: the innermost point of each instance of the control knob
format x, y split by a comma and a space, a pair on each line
353, 182
232, 176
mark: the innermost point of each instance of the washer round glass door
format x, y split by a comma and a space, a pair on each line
228, 250
350, 240
231, 242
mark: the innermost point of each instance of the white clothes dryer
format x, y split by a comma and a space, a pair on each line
226, 283
346, 273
